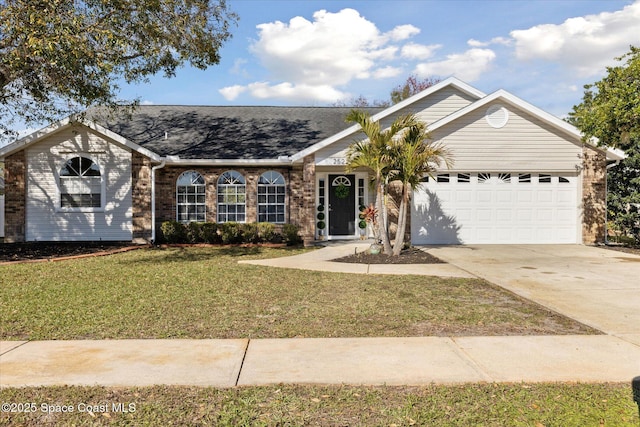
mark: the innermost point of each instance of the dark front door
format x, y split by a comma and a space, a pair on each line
342, 199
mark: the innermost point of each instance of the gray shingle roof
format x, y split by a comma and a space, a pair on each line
210, 132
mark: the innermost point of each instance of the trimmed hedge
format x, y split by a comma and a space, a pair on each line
227, 233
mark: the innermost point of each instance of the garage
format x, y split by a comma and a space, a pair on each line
496, 207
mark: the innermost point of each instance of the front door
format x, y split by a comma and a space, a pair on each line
342, 199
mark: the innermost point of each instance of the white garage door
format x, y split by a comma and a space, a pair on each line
468, 208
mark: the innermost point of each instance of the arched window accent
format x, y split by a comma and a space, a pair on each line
232, 197
190, 197
80, 184
271, 197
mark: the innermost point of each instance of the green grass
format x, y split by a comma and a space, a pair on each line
202, 292
565, 405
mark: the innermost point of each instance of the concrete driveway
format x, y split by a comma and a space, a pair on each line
596, 286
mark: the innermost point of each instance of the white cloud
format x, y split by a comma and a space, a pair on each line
232, 92
147, 102
477, 43
403, 32
419, 51
330, 50
386, 72
496, 40
311, 59
297, 93
467, 66
584, 44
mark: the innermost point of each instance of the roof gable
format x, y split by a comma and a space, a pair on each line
513, 100
508, 98
43, 133
451, 82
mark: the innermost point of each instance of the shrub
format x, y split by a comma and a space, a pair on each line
193, 232
290, 234
231, 233
173, 232
209, 233
227, 233
250, 233
266, 232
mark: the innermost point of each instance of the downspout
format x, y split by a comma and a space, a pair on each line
153, 199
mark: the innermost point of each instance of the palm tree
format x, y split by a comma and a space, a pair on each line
375, 153
414, 157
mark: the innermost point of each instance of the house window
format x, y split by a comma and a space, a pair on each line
504, 178
271, 197
190, 197
232, 196
483, 177
443, 177
563, 180
321, 195
544, 178
361, 200
464, 177
524, 177
80, 184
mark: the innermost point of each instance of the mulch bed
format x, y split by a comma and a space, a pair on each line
407, 256
52, 250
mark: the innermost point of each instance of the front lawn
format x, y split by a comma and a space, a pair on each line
566, 405
202, 292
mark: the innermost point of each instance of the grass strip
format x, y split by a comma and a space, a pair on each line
567, 405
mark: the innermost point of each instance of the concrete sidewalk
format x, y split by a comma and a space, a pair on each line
361, 361
322, 260
374, 361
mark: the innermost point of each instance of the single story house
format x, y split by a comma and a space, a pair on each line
520, 175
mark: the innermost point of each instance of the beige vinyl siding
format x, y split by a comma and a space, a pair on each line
524, 144
430, 109
45, 221
435, 106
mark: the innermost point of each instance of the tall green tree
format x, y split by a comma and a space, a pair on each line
376, 154
61, 56
414, 156
610, 112
610, 108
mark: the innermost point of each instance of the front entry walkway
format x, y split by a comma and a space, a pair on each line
322, 260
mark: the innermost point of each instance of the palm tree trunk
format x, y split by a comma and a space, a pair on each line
402, 220
383, 234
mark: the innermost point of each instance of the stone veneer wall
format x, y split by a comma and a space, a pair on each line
141, 197
307, 213
298, 191
594, 195
15, 197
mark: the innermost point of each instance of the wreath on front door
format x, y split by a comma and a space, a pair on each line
342, 191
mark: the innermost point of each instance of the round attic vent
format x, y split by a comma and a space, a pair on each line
497, 116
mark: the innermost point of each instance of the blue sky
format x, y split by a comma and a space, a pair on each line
318, 52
